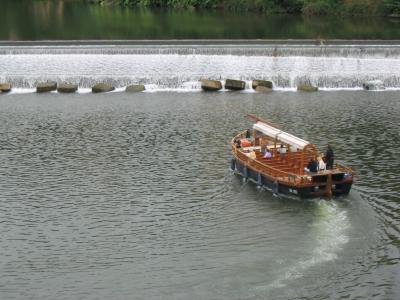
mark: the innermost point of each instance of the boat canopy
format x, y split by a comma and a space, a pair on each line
280, 135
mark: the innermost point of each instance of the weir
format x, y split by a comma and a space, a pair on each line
181, 66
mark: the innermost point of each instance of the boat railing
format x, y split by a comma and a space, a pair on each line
343, 168
241, 135
268, 170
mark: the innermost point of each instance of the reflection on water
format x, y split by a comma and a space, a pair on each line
63, 20
130, 196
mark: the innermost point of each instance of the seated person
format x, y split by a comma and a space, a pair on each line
267, 153
252, 154
312, 166
282, 150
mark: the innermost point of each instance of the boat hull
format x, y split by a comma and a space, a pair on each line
270, 183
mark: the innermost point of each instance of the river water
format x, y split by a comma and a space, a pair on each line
76, 20
130, 196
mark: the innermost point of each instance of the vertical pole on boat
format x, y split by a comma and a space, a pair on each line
302, 160
233, 164
259, 179
275, 187
328, 190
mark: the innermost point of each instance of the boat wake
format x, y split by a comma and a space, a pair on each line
330, 231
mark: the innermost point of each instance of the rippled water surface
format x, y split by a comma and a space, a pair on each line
119, 196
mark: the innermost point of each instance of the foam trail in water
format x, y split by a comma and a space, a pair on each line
330, 231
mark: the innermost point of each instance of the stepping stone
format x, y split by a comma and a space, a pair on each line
307, 88
135, 88
263, 89
235, 85
67, 88
44, 87
5, 87
102, 88
211, 85
266, 83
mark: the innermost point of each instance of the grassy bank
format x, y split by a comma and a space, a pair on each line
306, 7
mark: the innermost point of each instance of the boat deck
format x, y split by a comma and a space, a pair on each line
287, 167
289, 162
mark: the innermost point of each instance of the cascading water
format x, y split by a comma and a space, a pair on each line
180, 67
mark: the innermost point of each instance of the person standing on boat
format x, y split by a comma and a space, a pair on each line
329, 157
248, 134
321, 164
237, 143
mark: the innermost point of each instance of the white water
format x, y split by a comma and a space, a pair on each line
330, 230
180, 69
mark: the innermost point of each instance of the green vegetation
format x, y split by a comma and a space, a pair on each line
306, 7
393, 6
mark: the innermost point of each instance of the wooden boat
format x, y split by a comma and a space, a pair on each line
285, 172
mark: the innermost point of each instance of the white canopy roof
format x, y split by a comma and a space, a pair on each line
285, 137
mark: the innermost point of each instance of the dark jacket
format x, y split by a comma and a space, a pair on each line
329, 154
312, 165
329, 158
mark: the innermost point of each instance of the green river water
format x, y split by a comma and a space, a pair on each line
70, 20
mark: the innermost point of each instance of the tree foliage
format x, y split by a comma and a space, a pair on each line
392, 6
307, 7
